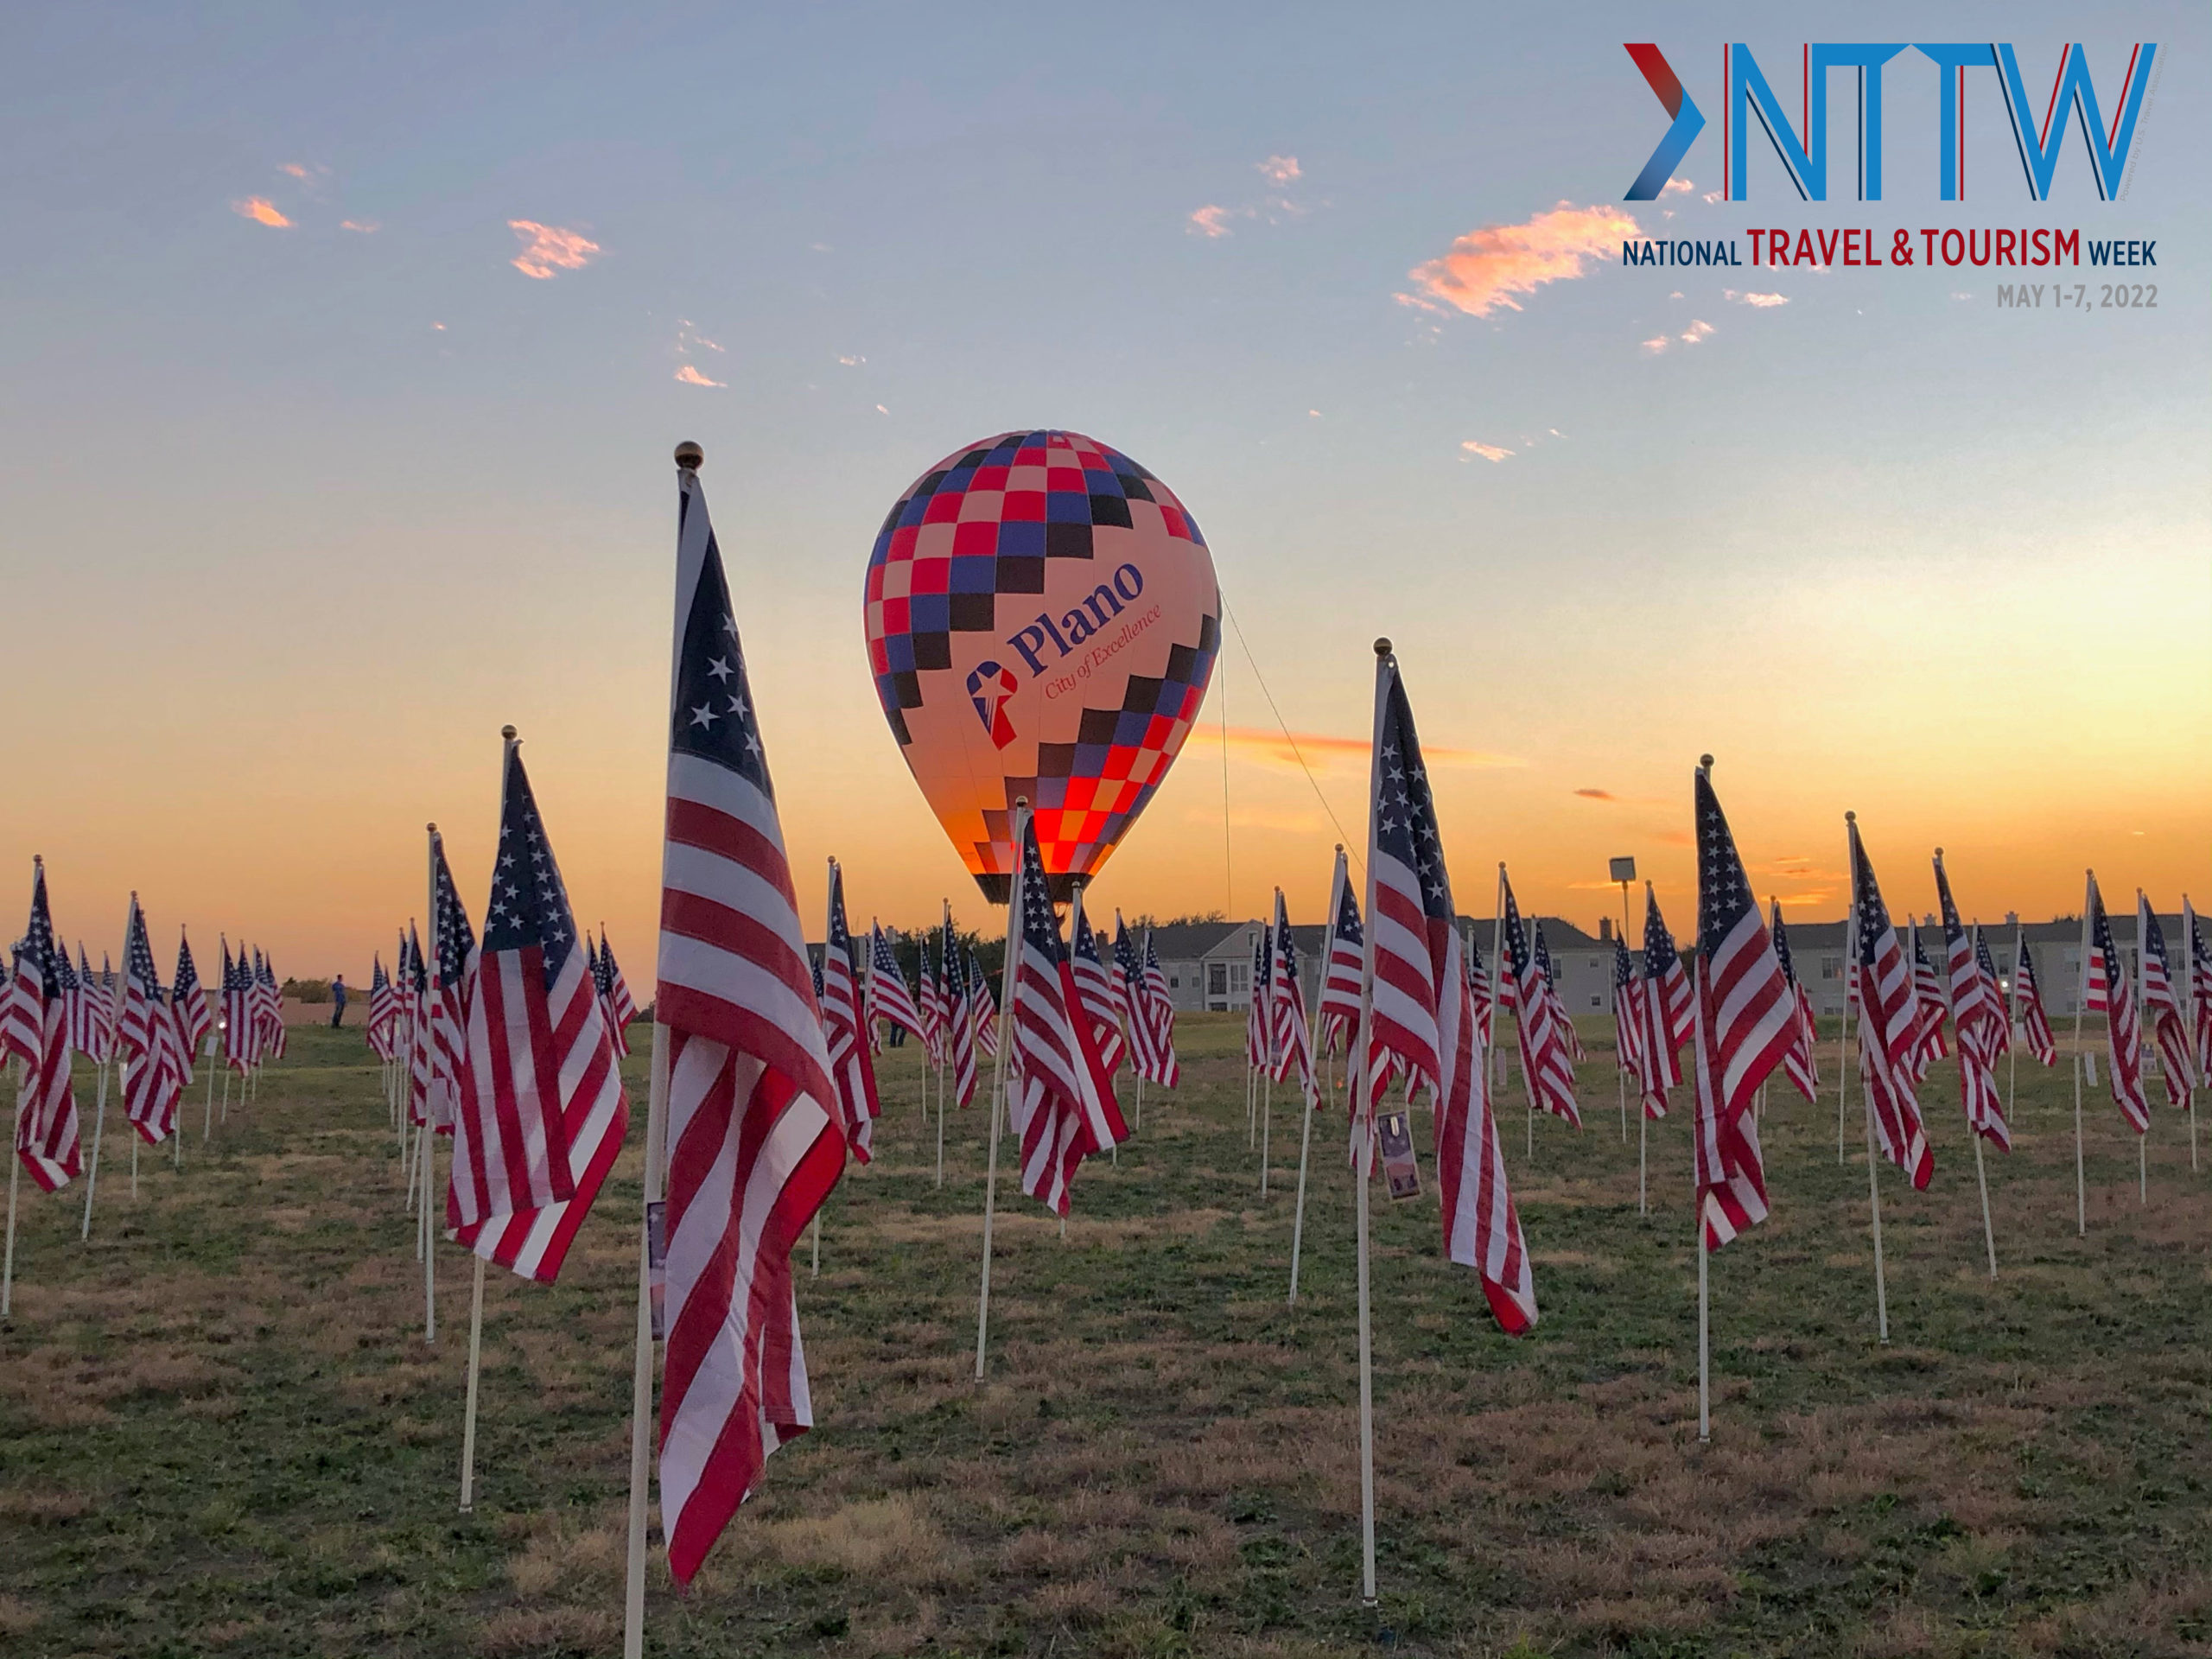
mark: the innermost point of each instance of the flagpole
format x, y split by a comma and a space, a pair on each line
2012, 1026
427, 1135
99, 1111
15, 1177
476, 1285
1704, 1325
2188, 1012
1007, 981
641, 1371
2081, 1003
1865, 1096
1305, 1130
1843, 1027
944, 1043
1639, 1091
1252, 1073
1362, 1088
2146, 1047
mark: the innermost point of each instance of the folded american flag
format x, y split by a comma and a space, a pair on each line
1889, 1029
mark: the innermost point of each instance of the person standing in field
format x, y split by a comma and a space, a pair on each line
338, 997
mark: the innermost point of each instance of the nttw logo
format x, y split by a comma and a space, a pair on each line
1804, 151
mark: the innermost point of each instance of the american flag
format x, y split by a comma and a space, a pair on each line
961, 1020
844, 1027
1799, 1065
1627, 1016
417, 980
1062, 1109
47, 1142
2200, 984
92, 1027
1339, 1006
1991, 978
453, 964
272, 1007
1889, 1027
929, 1004
2162, 1004
383, 1004
1667, 1007
753, 1140
188, 1002
1544, 1055
1746, 1023
154, 1067
603, 984
1929, 1003
1478, 976
1095, 985
1562, 1021
983, 1008
2123, 1025
1976, 1018
614, 991
20, 1009
1415, 952
1290, 1042
1146, 1058
237, 1010
530, 1034
887, 985
2027, 1000
1256, 1009
1161, 1011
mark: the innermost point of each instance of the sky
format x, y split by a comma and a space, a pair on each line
346, 354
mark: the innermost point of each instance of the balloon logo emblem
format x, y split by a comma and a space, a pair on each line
1042, 620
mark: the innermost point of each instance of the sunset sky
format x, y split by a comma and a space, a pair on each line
346, 354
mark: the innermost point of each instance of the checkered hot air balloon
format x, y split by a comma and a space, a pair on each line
1042, 619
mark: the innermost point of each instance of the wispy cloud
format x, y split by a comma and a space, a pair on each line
1761, 301
1487, 451
1597, 795
1321, 749
1488, 266
364, 226
852, 362
1698, 332
1212, 220
261, 211
692, 376
547, 250
1677, 187
1655, 345
1279, 169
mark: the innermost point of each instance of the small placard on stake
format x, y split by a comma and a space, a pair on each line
656, 1265
1399, 1167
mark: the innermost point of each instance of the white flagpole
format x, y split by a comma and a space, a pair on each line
944, 1045
641, 1372
688, 458
1337, 881
1007, 981
99, 1123
207, 1120
1865, 1096
2081, 1003
1843, 1026
2013, 1028
14, 1176
2188, 1010
428, 1135
1704, 1325
1497, 1073
1361, 1113
468, 1411
2148, 1049
476, 1285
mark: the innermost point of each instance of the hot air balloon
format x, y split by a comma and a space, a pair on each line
1042, 619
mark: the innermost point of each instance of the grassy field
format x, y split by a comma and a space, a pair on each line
222, 1432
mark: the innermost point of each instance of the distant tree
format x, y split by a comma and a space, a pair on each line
1192, 920
308, 990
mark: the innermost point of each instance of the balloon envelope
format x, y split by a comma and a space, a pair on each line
1042, 620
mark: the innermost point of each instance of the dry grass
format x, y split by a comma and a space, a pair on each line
224, 1426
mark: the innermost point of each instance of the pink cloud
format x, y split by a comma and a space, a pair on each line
1695, 332
549, 249
1212, 220
366, 226
692, 376
1677, 187
1487, 451
1488, 266
261, 211
1279, 169
1762, 301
